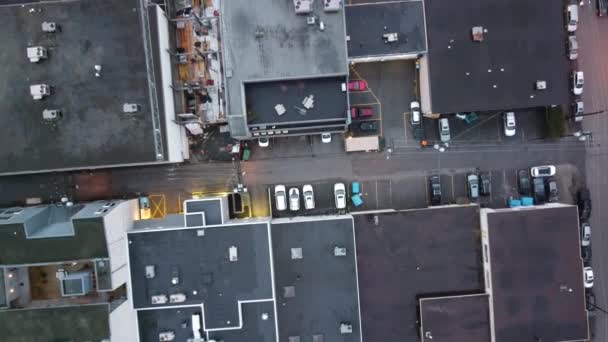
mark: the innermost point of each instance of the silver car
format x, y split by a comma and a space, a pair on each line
294, 199
444, 130
473, 186
572, 48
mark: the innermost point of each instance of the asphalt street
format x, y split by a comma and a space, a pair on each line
591, 34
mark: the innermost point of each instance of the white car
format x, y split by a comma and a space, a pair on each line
578, 80
294, 199
543, 171
415, 110
309, 197
280, 197
588, 277
340, 195
585, 234
326, 138
444, 130
509, 123
572, 17
572, 48
263, 142
578, 107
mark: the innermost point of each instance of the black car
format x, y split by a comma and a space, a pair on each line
523, 182
484, 184
551, 184
435, 189
590, 300
369, 126
584, 204
586, 254
602, 8
540, 196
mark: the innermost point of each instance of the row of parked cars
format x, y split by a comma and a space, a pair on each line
583, 199
282, 197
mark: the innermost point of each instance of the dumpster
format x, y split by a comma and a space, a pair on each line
246, 154
514, 203
357, 201
356, 188
527, 201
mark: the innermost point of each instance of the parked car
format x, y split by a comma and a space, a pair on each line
326, 138
578, 80
523, 182
586, 254
509, 123
572, 17
415, 110
584, 204
435, 189
340, 195
361, 112
590, 300
588, 277
552, 191
602, 8
263, 142
368, 126
294, 199
473, 186
585, 234
572, 47
280, 197
540, 196
309, 196
444, 130
484, 184
543, 171
578, 108
357, 85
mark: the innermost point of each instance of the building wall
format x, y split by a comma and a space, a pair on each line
424, 85
116, 224
123, 324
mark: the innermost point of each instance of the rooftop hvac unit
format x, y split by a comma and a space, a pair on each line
49, 27
38, 91
166, 336
541, 85
339, 251
331, 5
131, 108
390, 37
346, 328
36, 53
303, 6
309, 101
51, 114
311, 20
159, 299
177, 298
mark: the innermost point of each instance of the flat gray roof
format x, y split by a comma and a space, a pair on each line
457, 318
94, 131
266, 40
201, 262
366, 23
537, 281
324, 285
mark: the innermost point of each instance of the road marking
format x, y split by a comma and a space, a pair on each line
453, 196
405, 114
158, 205
491, 198
377, 206
375, 97
364, 104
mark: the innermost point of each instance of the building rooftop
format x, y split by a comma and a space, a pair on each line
319, 291
93, 130
367, 23
195, 262
536, 272
517, 50
329, 101
413, 254
266, 40
72, 323
455, 319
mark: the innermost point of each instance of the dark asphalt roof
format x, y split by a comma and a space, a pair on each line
205, 273
71, 323
153, 322
329, 101
365, 25
409, 254
537, 271
211, 208
258, 325
88, 242
325, 285
94, 130
455, 319
518, 49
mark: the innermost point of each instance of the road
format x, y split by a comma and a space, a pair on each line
591, 34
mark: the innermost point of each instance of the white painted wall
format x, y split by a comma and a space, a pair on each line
424, 85
123, 324
177, 150
116, 224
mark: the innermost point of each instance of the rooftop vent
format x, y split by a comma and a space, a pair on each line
49, 27
130, 108
296, 253
36, 53
38, 91
311, 20
478, 32
294, 339
289, 291
303, 6
318, 338
346, 328
331, 5
541, 85
339, 251
150, 271
233, 254
51, 114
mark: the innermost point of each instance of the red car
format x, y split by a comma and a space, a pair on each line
357, 85
361, 112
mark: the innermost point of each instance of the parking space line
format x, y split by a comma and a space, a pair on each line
453, 196
375, 97
498, 127
504, 177
426, 182
491, 192
365, 104
405, 114
390, 192
376, 194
